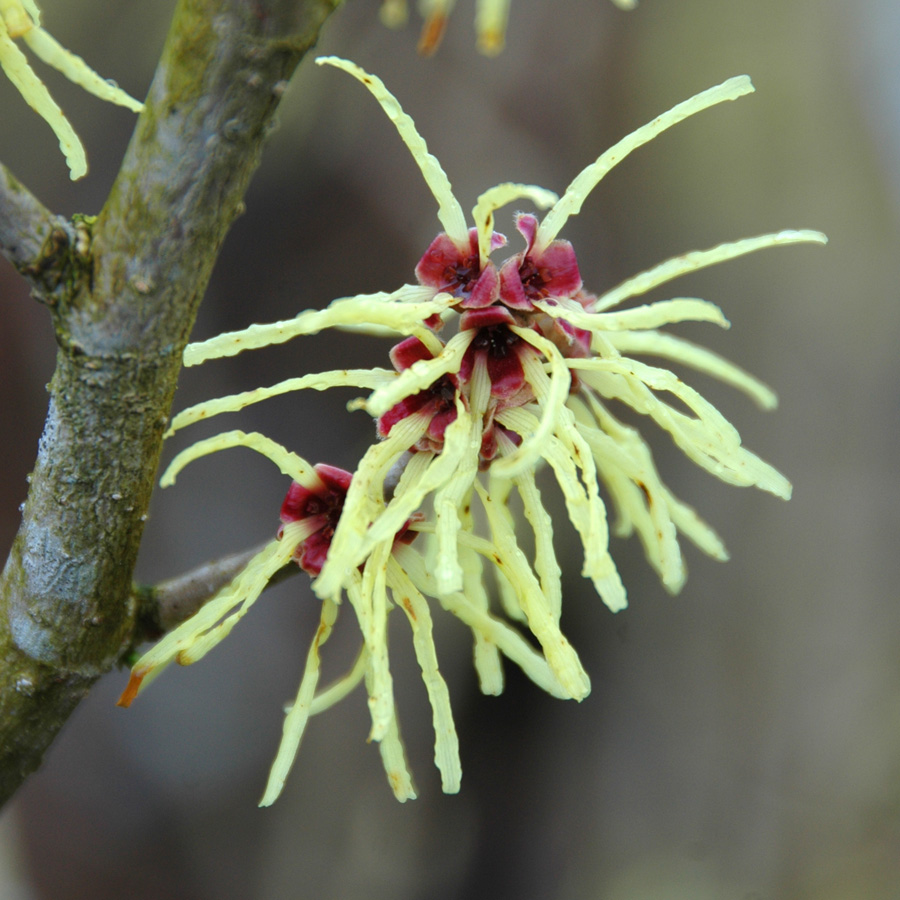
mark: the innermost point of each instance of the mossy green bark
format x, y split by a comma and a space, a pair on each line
125, 292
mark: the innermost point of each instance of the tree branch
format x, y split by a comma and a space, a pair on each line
129, 295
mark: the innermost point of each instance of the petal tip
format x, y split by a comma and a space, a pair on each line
132, 688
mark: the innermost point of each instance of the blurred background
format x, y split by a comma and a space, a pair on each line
741, 740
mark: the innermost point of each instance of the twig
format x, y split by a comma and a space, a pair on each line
165, 605
31, 237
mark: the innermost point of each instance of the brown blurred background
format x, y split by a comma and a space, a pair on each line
741, 740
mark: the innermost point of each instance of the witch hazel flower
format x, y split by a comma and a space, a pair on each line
525, 377
22, 19
490, 21
525, 381
535, 361
395, 575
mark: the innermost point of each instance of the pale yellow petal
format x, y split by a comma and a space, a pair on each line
677, 349
496, 197
486, 654
709, 439
446, 743
337, 690
18, 16
403, 311
651, 315
421, 374
450, 213
393, 758
701, 259
560, 654
451, 496
365, 503
625, 464
452, 463
289, 463
320, 381
550, 393
296, 719
500, 491
577, 192
248, 586
501, 635
36, 95
545, 564
370, 600
178, 642
490, 25
47, 48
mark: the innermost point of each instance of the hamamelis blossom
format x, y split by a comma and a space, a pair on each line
395, 575
527, 379
503, 368
22, 19
490, 21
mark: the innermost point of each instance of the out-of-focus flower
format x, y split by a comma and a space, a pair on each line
22, 19
490, 21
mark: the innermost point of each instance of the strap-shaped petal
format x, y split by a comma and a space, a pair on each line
702, 259
15, 64
299, 713
290, 464
505, 638
47, 48
686, 353
578, 191
319, 381
560, 654
650, 315
450, 213
403, 311
446, 741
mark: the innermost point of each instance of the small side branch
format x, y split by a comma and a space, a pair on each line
31, 237
163, 606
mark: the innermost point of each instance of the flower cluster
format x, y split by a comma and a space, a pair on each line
22, 19
490, 21
501, 368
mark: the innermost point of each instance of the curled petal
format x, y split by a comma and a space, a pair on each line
289, 463
449, 211
583, 183
496, 197
701, 259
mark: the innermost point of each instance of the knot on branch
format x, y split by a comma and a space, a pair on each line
64, 261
